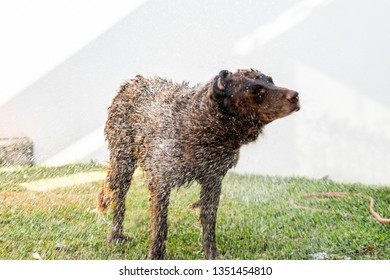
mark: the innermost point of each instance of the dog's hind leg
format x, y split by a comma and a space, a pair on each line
114, 191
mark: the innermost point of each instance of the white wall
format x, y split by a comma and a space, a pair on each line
63, 69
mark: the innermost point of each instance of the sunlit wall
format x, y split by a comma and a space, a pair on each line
62, 63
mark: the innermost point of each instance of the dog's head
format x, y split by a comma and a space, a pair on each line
250, 93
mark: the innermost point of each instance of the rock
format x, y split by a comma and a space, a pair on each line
16, 151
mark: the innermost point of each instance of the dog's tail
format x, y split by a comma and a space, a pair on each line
105, 197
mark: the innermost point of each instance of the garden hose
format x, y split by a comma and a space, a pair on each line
376, 216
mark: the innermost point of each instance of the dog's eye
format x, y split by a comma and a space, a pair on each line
259, 98
259, 90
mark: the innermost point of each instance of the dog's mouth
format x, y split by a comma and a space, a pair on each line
296, 107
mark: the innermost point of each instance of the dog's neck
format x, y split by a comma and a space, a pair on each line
218, 125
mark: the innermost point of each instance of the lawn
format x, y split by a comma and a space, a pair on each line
49, 213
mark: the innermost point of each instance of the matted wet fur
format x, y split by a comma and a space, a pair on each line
179, 134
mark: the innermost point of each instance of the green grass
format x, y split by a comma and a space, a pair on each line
255, 219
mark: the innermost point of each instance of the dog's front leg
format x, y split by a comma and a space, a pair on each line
159, 226
209, 199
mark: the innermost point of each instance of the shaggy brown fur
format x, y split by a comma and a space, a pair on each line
179, 134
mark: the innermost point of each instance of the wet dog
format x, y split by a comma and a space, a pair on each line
180, 134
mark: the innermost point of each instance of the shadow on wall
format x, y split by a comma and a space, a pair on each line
332, 52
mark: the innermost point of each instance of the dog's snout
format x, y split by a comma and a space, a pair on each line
292, 95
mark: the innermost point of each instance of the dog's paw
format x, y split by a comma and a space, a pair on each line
212, 256
195, 205
118, 239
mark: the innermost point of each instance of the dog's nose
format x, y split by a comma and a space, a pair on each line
292, 95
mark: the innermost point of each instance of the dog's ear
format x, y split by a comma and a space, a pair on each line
220, 82
223, 77
220, 93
